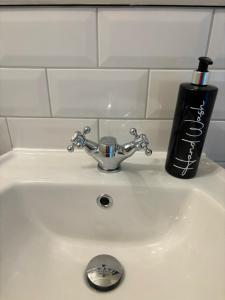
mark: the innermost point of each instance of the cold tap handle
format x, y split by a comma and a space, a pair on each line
141, 141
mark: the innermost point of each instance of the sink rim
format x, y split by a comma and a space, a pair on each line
58, 166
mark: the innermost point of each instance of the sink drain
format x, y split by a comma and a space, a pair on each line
104, 272
104, 201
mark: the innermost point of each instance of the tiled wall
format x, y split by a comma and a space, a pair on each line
62, 68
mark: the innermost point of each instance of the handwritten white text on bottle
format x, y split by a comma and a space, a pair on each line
193, 132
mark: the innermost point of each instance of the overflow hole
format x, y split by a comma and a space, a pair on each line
104, 201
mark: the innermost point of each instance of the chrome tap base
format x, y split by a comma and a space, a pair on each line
108, 171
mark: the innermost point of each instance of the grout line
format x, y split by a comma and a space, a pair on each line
97, 38
98, 128
147, 91
50, 118
127, 68
64, 117
83, 68
49, 99
90, 118
99, 118
210, 31
10, 137
43, 6
73, 117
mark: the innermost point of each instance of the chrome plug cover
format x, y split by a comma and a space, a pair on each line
104, 272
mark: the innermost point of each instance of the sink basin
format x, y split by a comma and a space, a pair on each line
168, 233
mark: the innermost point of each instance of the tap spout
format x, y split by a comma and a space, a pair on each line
127, 150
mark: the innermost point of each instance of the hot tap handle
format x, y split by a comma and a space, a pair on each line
86, 130
70, 148
148, 151
133, 131
79, 134
78, 139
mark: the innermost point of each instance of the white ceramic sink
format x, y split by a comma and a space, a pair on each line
168, 233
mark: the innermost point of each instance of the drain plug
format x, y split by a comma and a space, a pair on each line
104, 272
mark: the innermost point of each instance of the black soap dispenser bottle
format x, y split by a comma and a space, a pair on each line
191, 120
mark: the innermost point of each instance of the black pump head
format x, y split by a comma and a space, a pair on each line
204, 62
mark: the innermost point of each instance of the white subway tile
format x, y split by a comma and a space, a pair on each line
98, 93
5, 144
152, 37
163, 91
217, 41
217, 78
158, 131
47, 133
215, 141
23, 92
48, 36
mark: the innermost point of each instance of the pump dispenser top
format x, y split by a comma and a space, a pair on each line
200, 76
